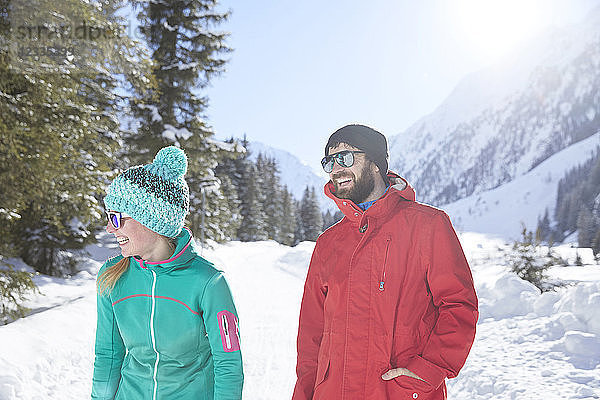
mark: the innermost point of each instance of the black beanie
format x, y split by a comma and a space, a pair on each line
367, 139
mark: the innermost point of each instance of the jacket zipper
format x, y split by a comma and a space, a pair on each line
152, 335
226, 330
382, 277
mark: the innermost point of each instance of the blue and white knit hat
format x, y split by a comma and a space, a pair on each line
156, 195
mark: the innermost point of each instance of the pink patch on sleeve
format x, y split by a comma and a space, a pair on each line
228, 326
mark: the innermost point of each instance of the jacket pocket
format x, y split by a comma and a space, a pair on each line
323, 360
388, 243
406, 387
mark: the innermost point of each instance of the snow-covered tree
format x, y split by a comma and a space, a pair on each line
586, 227
254, 220
288, 219
299, 230
271, 187
530, 263
59, 131
186, 53
312, 220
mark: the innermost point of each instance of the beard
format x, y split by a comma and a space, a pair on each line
360, 190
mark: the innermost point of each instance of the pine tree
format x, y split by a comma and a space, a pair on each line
239, 165
586, 228
576, 190
253, 226
272, 205
186, 54
229, 172
544, 228
312, 221
288, 219
330, 219
59, 132
528, 263
235, 164
15, 286
327, 219
299, 231
596, 243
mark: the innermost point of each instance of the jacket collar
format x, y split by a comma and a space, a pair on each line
185, 250
400, 189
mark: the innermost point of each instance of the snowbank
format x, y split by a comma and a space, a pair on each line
529, 345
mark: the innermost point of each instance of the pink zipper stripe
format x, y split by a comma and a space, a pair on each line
175, 257
158, 297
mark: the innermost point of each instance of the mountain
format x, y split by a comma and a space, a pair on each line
502, 210
293, 173
502, 122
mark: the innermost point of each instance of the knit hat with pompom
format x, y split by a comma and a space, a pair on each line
155, 195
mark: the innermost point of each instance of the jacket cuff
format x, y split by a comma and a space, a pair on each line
426, 370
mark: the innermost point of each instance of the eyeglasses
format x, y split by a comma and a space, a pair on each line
116, 218
345, 158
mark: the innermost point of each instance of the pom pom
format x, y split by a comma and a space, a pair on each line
170, 162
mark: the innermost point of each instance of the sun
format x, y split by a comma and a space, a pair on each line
495, 27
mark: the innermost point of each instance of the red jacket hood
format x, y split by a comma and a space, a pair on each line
399, 188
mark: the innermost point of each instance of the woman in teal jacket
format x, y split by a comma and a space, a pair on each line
167, 325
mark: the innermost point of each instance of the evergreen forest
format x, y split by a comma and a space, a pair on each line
82, 98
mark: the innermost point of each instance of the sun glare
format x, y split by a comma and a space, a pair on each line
495, 27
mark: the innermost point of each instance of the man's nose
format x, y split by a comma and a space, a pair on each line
336, 167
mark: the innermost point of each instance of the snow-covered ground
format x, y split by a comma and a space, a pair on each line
524, 198
528, 345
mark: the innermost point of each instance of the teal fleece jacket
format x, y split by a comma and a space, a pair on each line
168, 330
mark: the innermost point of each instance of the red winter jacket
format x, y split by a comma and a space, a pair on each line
386, 288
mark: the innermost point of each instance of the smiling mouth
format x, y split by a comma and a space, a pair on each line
343, 181
122, 240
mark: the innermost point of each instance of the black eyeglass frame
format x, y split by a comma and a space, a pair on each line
340, 158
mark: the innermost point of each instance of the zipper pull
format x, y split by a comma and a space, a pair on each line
381, 286
226, 331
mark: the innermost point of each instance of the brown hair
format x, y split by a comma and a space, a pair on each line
107, 280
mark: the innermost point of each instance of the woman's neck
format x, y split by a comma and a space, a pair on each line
162, 251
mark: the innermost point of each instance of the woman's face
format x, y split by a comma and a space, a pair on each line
135, 239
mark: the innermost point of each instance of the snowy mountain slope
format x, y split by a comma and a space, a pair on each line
528, 345
502, 210
293, 173
503, 121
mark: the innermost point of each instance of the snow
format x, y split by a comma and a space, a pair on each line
169, 27
9, 214
174, 134
181, 66
502, 210
528, 345
153, 109
500, 122
225, 145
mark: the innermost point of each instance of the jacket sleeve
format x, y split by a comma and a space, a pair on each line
109, 350
310, 330
451, 284
221, 324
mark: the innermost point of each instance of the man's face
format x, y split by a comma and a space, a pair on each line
354, 183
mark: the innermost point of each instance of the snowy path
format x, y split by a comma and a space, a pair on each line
267, 291
527, 346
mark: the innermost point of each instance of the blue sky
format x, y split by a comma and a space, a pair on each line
301, 69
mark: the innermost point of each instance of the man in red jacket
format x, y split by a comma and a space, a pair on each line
389, 308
